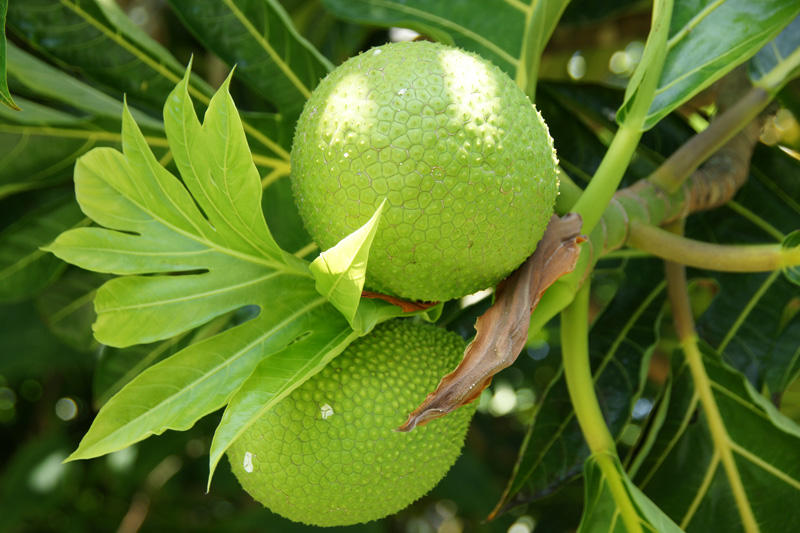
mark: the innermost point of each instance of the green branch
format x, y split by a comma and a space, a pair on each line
604, 183
639, 97
578, 374
580, 384
680, 165
541, 18
720, 257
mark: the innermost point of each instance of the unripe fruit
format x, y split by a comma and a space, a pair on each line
461, 155
328, 454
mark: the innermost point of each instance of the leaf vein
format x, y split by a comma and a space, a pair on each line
281, 64
189, 297
224, 364
768, 467
453, 26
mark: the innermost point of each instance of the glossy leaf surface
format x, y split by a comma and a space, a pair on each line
340, 271
765, 445
186, 252
5, 96
512, 34
259, 38
709, 38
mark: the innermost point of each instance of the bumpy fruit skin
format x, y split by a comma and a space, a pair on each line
328, 454
462, 157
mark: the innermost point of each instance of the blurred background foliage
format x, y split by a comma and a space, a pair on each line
54, 376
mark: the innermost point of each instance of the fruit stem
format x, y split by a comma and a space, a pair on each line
606, 179
578, 374
601, 189
561, 293
568, 192
580, 384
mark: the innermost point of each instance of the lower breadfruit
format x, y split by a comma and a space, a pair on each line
328, 454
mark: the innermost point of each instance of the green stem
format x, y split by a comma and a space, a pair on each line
578, 374
641, 92
618, 491
538, 29
680, 165
560, 293
307, 249
580, 384
595, 198
593, 201
719, 257
627, 254
277, 164
523, 73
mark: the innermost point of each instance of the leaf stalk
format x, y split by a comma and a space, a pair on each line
595, 198
580, 384
719, 257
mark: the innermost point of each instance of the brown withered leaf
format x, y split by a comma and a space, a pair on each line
501, 332
406, 305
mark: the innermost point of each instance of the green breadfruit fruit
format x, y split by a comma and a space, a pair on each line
328, 454
462, 157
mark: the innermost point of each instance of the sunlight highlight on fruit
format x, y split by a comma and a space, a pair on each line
462, 157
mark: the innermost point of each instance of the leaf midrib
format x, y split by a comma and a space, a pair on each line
718, 430
767, 467
279, 62
215, 370
453, 26
281, 267
711, 469
193, 296
166, 73
201, 183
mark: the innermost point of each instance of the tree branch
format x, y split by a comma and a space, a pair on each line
672, 173
646, 202
713, 184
